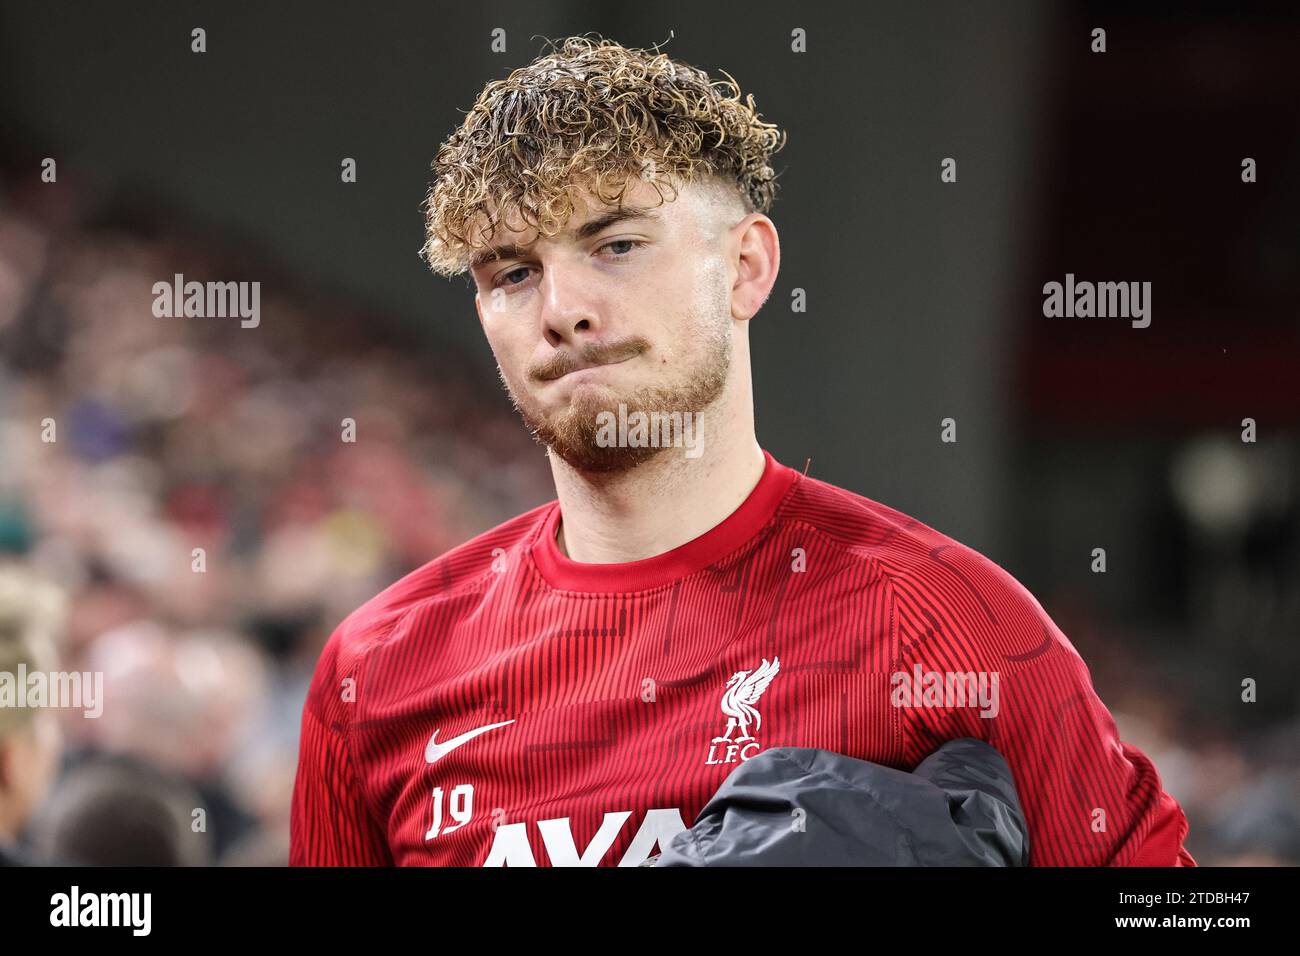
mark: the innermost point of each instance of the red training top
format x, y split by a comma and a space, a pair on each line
505, 705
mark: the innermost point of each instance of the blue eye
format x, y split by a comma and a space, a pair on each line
635, 243
504, 281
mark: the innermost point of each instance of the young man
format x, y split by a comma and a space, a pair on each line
571, 687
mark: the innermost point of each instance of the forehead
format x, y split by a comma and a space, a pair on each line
660, 207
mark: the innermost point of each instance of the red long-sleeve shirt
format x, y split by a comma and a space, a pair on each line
504, 705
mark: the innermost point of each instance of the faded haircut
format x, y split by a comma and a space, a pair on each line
591, 114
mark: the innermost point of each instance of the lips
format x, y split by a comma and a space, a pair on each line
583, 368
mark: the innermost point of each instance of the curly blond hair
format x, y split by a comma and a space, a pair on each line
591, 113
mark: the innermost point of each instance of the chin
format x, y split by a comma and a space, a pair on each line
593, 459
589, 399
570, 433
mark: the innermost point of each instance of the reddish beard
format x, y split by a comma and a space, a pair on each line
573, 432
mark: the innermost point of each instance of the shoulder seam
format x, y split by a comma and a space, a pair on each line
895, 658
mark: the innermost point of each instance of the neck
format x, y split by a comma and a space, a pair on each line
662, 503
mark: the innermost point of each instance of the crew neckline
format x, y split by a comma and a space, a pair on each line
563, 573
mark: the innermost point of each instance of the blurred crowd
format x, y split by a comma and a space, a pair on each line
1237, 779
129, 442
180, 512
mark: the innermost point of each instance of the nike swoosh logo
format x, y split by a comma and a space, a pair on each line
436, 751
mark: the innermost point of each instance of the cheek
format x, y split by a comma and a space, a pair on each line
701, 287
506, 338
498, 307
698, 312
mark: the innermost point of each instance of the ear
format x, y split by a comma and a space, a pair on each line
758, 260
478, 307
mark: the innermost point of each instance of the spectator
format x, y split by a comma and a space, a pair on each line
31, 617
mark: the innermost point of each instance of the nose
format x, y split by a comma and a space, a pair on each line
569, 313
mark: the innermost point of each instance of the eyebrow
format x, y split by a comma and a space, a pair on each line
591, 227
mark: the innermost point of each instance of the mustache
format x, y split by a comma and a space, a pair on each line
562, 363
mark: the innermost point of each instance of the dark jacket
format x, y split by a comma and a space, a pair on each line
801, 806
